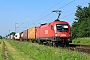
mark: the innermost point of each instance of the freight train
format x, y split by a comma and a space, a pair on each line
54, 33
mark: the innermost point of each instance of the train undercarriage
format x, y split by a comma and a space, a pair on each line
55, 41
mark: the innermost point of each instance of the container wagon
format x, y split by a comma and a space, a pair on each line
25, 35
17, 36
32, 34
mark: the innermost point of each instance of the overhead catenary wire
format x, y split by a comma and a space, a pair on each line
67, 4
45, 12
48, 10
52, 12
67, 15
51, 7
73, 12
59, 8
44, 16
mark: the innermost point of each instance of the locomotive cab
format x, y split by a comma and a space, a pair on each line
62, 32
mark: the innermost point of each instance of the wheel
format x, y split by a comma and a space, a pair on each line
39, 41
55, 44
67, 44
61, 44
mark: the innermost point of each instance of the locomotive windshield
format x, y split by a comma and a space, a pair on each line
62, 27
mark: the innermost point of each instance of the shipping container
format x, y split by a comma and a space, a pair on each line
8, 37
25, 35
32, 33
17, 36
11, 37
21, 36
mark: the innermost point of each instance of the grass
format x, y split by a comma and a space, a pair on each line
1, 50
41, 52
15, 54
2, 57
85, 41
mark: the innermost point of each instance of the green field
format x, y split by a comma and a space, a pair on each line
33, 51
85, 41
1, 50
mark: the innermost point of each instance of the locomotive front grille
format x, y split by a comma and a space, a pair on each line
62, 39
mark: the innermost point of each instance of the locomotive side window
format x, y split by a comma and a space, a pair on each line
52, 27
62, 27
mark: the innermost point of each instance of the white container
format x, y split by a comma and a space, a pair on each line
17, 36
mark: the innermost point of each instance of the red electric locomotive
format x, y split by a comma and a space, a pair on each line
56, 33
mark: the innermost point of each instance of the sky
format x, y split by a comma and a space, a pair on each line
25, 14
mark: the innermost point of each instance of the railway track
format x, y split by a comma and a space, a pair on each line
76, 47
80, 48
5, 51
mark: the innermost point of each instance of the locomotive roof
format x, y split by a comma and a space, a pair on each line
59, 20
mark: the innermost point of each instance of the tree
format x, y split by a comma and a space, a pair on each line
12, 33
81, 25
0, 37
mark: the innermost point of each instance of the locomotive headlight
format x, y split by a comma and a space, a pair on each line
56, 34
69, 35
